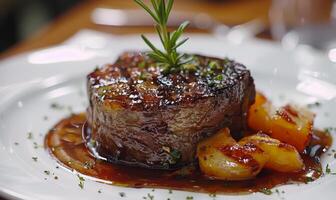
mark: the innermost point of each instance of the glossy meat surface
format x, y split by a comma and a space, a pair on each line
140, 115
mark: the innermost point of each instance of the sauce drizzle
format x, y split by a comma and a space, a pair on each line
65, 143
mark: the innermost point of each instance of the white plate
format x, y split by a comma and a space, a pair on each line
29, 83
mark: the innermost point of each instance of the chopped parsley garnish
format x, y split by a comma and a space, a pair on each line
308, 179
214, 65
329, 129
34, 159
47, 172
30, 135
313, 105
151, 197
36, 146
122, 194
142, 64
56, 106
99, 191
144, 76
189, 198
266, 191
175, 156
189, 67
219, 77
81, 181
212, 195
328, 171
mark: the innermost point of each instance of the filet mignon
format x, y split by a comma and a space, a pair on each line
143, 116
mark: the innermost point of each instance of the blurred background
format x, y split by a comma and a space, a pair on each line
20, 19
31, 24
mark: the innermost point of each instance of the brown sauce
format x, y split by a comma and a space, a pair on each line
66, 144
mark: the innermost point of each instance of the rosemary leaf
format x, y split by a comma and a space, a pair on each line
170, 59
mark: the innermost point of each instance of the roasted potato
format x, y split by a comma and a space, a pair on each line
289, 124
282, 157
221, 157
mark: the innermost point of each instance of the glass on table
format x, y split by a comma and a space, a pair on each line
310, 22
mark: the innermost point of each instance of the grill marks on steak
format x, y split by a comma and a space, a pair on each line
140, 116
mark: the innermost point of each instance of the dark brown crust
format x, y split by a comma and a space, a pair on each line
144, 122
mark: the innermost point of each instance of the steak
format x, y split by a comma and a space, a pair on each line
142, 115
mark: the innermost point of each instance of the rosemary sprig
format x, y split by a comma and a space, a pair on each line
170, 59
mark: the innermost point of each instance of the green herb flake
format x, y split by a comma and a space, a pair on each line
328, 171
214, 65
151, 197
329, 130
266, 191
170, 191
189, 198
190, 67
81, 181
219, 77
56, 106
142, 64
212, 195
99, 191
34, 159
30, 135
16, 143
314, 105
308, 179
175, 156
144, 76
122, 194
55, 177
36, 146
47, 172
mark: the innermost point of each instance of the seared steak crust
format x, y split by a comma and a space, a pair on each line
141, 116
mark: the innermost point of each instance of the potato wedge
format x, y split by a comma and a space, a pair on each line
289, 124
282, 157
220, 157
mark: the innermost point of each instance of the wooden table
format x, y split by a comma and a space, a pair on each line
230, 12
